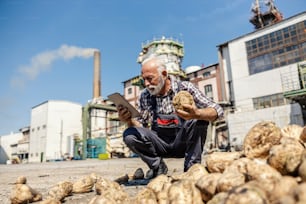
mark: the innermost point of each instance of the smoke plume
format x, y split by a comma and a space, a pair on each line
43, 62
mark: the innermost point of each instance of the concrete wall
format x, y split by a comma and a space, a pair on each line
241, 122
38, 132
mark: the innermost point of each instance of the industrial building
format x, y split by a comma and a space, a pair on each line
264, 75
54, 125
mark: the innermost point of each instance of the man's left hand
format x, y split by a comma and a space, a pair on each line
189, 112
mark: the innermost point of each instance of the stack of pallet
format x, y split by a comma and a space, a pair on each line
117, 147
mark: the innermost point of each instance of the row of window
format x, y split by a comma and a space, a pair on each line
269, 101
205, 74
279, 48
36, 154
278, 39
38, 128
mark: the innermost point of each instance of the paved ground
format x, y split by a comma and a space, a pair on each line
42, 176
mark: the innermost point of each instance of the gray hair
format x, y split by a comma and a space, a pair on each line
161, 64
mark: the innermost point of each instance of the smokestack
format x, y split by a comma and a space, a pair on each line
96, 80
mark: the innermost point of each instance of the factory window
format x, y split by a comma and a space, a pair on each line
206, 74
269, 101
208, 91
279, 48
129, 90
260, 63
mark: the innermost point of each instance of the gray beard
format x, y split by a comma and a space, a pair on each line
154, 90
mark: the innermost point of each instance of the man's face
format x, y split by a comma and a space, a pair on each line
155, 89
153, 80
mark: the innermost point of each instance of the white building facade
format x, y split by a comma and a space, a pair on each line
8, 147
254, 68
54, 124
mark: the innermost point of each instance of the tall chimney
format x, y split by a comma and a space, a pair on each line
97, 73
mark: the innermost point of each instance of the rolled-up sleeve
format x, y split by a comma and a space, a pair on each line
200, 99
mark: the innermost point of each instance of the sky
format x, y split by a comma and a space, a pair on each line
46, 46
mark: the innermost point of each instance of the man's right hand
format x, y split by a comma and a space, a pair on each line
124, 114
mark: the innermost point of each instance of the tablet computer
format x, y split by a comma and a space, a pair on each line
118, 99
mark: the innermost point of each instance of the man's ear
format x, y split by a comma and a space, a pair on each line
165, 73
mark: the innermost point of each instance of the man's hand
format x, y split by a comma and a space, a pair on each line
124, 114
192, 112
189, 112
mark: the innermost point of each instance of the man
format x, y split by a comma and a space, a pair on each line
161, 131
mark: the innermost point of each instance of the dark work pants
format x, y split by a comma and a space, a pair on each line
188, 144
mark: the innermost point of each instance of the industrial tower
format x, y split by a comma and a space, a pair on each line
172, 51
265, 13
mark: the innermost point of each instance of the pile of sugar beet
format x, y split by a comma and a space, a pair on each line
271, 168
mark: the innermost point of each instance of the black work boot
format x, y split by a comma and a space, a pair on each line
150, 174
161, 169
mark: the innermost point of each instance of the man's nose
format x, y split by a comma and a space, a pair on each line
146, 82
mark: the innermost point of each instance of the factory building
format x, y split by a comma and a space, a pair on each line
54, 125
264, 75
207, 79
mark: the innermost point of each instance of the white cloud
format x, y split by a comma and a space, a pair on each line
43, 62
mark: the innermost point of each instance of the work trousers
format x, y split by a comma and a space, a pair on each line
187, 143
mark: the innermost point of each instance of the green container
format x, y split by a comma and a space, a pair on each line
95, 147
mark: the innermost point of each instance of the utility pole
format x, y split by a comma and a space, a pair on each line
61, 139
